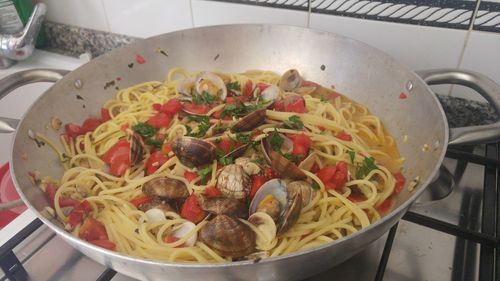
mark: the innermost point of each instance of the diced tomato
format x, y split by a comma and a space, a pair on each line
72, 130
257, 182
67, 202
118, 158
340, 177
192, 211
196, 108
160, 120
104, 243
232, 100
79, 211
248, 89
262, 86
140, 59
306, 83
190, 176
294, 104
92, 229
157, 106
270, 173
400, 182
166, 148
343, 136
225, 145
140, 200
212, 192
155, 161
124, 127
314, 168
356, 197
172, 107
105, 116
50, 190
172, 239
301, 144
385, 206
326, 174
217, 115
90, 124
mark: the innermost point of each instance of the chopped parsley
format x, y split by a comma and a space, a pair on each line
292, 157
203, 126
246, 139
352, 154
242, 109
276, 141
204, 173
315, 185
226, 160
144, 129
293, 123
204, 98
153, 142
233, 86
367, 166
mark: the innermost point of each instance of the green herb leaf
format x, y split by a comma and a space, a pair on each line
203, 98
203, 126
367, 166
153, 142
204, 173
292, 157
276, 141
226, 160
315, 185
245, 139
324, 99
293, 123
233, 86
144, 130
352, 155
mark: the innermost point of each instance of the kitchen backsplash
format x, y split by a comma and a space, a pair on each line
420, 33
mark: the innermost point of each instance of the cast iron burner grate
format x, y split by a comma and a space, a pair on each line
487, 238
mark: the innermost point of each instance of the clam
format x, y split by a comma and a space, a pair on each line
136, 149
157, 204
166, 188
212, 84
266, 225
305, 90
193, 152
250, 121
309, 162
290, 80
302, 187
183, 230
186, 87
155, 215
233, 182
289, 204
228, 237
248, 166
270, 94
224, 206
278, 162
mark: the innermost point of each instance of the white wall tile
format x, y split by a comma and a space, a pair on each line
213, 13
87, 14
148, 17
419, 47
482, 54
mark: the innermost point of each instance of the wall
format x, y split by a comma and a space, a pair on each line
422, 34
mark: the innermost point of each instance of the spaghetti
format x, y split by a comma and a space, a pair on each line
117, 167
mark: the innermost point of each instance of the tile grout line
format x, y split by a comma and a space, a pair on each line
466, 41
191, 10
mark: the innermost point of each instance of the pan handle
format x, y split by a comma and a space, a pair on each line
484, 86
18, 79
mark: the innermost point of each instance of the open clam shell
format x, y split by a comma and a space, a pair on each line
278, 162
136, 149
224, 206
290, 80
212, 84
193, 152
250, 121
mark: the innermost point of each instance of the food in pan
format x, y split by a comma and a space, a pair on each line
217, 167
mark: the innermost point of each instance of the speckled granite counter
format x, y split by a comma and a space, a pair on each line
74, 41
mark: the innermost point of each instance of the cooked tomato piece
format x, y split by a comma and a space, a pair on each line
90, 124
155, 161
50, 190
192, 211
104, 243
172, 107
166, 148
343, 136
262, 86
92, 229
326, 173
257, 182
301, 144
212, 192
72, 130
157, 106
196, 108
306, 83
105, 116
160, 120
225, 145
294, 104
140, 200
190, 176
118, 158
400, 182
67, 202
270, 173
78, 213
340, 177
385, 206
248, 89
172, 239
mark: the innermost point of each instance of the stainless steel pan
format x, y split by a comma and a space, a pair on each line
355, 69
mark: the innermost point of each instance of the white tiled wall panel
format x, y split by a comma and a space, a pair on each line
87, 13
147, 18
483, 54
419, 47
213, 13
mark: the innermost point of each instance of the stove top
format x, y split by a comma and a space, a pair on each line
449, 238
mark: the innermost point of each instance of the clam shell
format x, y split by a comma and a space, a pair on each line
193, 152
228, 237
136, 149
186, 86
291, 214
278, 162
224, 206
215, 80
233, 182
302, 187
290, 80
166, 188
157, 204
275, 187
270, 94
266, 225
250, 121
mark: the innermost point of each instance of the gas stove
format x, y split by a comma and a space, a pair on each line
450, 233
